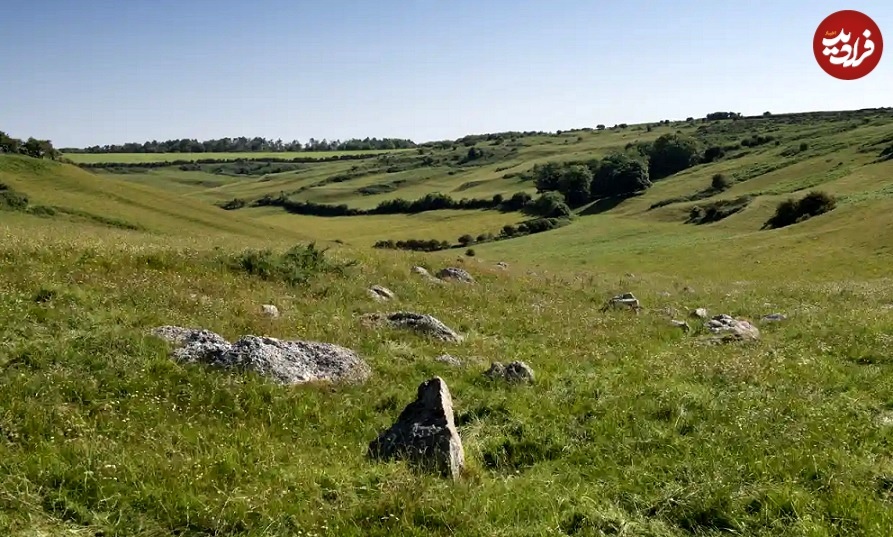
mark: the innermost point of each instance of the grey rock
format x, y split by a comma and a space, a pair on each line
700, 313
425, 433
270, 310
502, 265
515, 372
418, 322
381, 294
285, 362
457, 274
681, 324
774, 317
626, 300
730, 329
449, 359
421, 271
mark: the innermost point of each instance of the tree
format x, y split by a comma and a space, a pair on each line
574, 184
672, 153
550, 205
620, 175
546, 176
8, 144
38, 148
466, 239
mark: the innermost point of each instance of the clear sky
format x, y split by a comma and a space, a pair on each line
100, 72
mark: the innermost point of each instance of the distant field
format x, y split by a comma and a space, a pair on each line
126, 158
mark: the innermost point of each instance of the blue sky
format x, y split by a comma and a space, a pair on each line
98, 72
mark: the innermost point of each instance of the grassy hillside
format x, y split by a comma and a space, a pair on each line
632, 426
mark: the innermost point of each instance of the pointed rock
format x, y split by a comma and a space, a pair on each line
425, 433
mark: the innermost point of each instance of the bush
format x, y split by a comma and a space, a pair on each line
12, 200
718, 210
720, 182
233, 204
549, 205
466, 239
470, 252
792, 211
713, 153
297, 266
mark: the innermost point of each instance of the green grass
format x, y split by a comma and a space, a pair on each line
126, 158
631, 428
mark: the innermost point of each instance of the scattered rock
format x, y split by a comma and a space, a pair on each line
774, 317
624, 300
424, 324
700, 313
270, 310
681, 324
502, 265
664, 294
449, 359
514, 372
425, 433
457, 274
381, 294
731, 329
286, 362
687, 289
426, 275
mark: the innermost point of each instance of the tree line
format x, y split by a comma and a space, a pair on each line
247, 145
31, 147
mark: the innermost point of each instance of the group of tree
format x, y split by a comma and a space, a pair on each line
31, 147
714, 116
621, 173
580, 182
247, 145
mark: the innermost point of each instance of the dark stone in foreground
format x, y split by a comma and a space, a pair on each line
424, 434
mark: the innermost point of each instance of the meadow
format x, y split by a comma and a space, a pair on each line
631, 427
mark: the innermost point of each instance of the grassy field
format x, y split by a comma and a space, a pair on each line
632, 427
126, 158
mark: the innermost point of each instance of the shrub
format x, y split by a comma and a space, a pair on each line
718, 210
470, 252
713, 153
549, 205
233, 204
720, 182
297, 266
466, 239
792, 211
12, 200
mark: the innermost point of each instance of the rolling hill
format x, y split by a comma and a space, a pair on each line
632, 425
